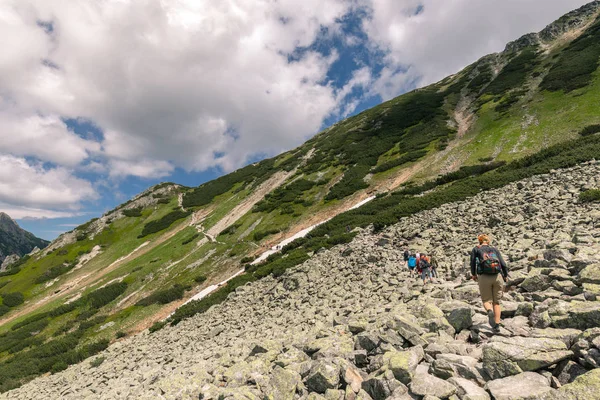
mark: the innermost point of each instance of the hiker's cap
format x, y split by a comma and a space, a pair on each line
483, 238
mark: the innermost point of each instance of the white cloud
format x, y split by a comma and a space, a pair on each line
195, 84
35, 188
448, 35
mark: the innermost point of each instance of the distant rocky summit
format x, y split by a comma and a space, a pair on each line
350, 323
15, 241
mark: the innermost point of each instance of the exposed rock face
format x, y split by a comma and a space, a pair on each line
350, 328
15, 241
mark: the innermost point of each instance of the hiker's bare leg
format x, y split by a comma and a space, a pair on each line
497, 313
487, 306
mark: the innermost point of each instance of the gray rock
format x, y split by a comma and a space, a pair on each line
429, 385
458, 314
525, 386
469, 390
511, 356
324, 375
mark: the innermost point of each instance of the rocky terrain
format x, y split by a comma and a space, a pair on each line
351, 324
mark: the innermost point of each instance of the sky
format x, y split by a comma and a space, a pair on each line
100, 99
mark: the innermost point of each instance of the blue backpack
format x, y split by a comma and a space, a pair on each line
412, 262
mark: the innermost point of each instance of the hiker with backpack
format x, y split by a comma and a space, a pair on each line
412, 263
489, 270
434, 265
425, 268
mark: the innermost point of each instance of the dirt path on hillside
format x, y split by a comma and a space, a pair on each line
84, 280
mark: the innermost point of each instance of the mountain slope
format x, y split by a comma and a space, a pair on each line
14, 240
118, 274
351, 323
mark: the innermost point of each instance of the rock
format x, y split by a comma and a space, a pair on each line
282, 384
511, 356
447, 366
579, 315
353, 378
403, 364
324, 375
567, 336
407, 326
590, 274
468, 390
558, 254
458, 314
357, 326
525, 386
380, 387
566, 371
429, 385
537, 283
584, 387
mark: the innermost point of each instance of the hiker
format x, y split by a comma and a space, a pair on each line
412, 263
434, 265
425, 267
406, 255
490, 271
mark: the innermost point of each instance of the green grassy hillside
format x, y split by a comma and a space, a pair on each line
524, 111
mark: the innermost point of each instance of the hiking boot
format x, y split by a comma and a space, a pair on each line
496, 327
491, 318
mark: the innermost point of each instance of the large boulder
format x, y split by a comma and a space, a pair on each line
525, 386
584, 387
408, 327
323, 375
469, 390
580, 315
282, 384
429, 385
446, 366
505, 356
590, 274
403, 364
458, 314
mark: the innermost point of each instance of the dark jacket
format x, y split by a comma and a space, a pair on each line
477, 257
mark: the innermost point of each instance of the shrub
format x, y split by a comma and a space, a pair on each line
4, 309
157, 326
230, 230
163, 296
403, 159
133, 212
96, 362
163, 201
246, 260
589, 196
11, 271
101, 297
59, 366
261, 234
163, 223
514, 74
190, 239
200, 279
13, 299
81, 237
352, 181
590, 130
55, 272
120, 334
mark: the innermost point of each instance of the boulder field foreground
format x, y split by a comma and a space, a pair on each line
351, 324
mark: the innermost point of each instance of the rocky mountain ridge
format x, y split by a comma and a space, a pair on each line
351, 324
15, 241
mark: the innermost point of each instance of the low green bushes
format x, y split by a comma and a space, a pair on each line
352, 181
55, 272
163, 296
259, 235
200, 279
13, 299
589, 196
590, 130
190, 239
133, 212
403, 159
163, 223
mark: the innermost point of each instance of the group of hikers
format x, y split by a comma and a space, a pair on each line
420, 264
488, 269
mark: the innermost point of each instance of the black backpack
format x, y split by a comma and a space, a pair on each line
489, 262
406, 254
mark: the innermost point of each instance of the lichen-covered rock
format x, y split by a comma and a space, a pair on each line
324, 375
511, 356
429, 385
525, 386
403, 364
584, 387
469, 390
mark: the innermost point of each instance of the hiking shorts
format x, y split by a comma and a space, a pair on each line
491, 288
426, 272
